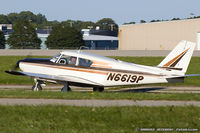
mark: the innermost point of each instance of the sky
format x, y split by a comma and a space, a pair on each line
120, 11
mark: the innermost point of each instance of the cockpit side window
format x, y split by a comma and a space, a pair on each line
65, 59
72, 60
84, 62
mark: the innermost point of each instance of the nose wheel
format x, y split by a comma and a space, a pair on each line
37, 86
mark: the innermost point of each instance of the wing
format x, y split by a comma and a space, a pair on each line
54, 78
191, 75
35, 75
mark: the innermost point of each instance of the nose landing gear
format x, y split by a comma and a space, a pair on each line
37, 86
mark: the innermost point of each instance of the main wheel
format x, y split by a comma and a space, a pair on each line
101, 89
64, 89
98, 89
94, 88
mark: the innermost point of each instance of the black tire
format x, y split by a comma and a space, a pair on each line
62, 90
98, 89
101, 89
94, 88
69, 89
38, 86
33, 87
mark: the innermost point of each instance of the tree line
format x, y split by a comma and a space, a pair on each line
64, 34
11, 18
25, 37
40, 21
157, 20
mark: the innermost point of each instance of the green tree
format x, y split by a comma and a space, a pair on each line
155, 20
27, 15
129, 23
2, 40
176, 19
3, 19
12, 17
24, 36
87, 24
78, 25
40, 19
107, 24
142, 21
64, 37
47, 24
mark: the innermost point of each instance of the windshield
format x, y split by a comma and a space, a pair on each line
55, 58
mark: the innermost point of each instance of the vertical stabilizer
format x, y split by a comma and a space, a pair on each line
179, 57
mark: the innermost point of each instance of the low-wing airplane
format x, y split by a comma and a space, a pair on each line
77, 68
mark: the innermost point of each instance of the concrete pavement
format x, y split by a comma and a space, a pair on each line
30, 52
96, 103
151, 89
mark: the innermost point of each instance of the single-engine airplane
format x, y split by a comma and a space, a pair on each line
77, 68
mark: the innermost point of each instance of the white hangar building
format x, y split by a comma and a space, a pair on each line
163, 35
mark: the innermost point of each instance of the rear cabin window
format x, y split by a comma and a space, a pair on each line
84, 62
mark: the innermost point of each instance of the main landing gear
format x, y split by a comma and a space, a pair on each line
38, 86
66, 87
39, 83
98, 89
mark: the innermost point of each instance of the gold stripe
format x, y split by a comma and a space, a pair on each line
67, 68
92, 71
174, 59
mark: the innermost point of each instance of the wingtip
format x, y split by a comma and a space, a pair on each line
14, 72
7, 71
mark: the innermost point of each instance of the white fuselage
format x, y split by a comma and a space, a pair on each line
80, 68
121, 73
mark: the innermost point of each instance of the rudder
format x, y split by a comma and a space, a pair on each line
179, 57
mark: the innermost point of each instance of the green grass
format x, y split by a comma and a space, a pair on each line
98, 95
7, 62
69, 119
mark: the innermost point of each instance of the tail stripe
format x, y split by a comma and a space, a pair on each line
175, 60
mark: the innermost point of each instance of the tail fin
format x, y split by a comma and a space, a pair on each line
179, 57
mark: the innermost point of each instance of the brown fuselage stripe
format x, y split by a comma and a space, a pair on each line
174, 59
67, 68
103, 71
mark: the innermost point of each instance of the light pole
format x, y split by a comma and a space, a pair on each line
112, 27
